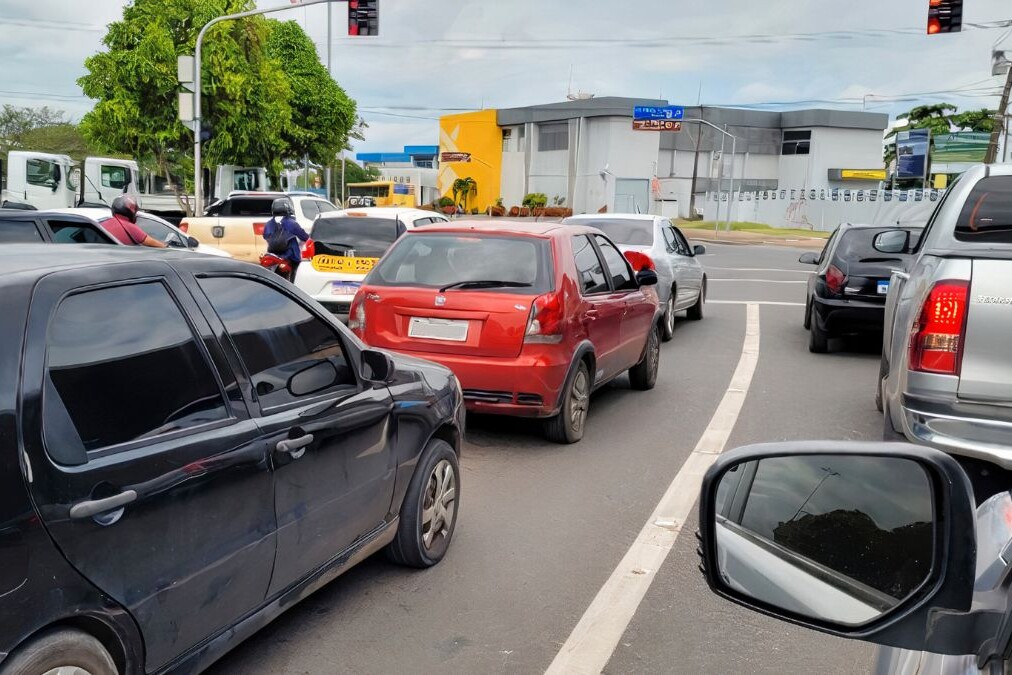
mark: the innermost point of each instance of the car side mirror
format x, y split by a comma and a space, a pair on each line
698, 249
192, 242
646, 277
377, 367
893, 241
318, 377
57, 175
870, 541
809, 258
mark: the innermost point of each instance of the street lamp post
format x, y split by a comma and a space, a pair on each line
720, 178
198, 191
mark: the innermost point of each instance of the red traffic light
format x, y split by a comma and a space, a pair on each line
363, 17
945, 16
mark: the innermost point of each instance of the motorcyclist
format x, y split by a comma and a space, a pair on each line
283, 233
123, 224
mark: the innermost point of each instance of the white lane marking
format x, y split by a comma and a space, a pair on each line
754, 302
757, 281
592, 642
758, 269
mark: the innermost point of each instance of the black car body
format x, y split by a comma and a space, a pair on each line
847, 293
188, 446
19, 226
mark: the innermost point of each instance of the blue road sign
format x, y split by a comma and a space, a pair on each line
668, 112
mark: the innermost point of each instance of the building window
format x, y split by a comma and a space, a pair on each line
797, 143
553, 137
507, 140
424, 163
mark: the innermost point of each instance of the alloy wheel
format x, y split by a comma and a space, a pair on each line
655, 352
669, 316
440, 503
579, 401
67, 670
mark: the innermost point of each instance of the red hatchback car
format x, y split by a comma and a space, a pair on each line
531, 318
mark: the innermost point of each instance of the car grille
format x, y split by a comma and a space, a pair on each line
487, 396
530, 399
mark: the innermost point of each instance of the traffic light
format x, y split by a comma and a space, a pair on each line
363, 17
945, 16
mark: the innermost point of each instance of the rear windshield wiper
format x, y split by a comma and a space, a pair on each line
485, 283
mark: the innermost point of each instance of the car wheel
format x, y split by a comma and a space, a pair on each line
429, 511
643, 375
808, 315
669, 319
568, 426
62, 651
818, 339
695, 312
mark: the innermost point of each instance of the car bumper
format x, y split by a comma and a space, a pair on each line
845, 316
320, 287
526, 386
957, 432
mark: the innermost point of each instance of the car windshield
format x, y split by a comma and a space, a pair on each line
469, 262
367, 237
858, 245
625, 231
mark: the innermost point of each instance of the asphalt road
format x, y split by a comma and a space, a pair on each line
543, 526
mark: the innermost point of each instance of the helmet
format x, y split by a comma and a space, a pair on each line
125, 206
282, 207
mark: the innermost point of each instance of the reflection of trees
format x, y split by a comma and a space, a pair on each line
849, 542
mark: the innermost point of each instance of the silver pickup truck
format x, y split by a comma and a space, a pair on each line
946, 376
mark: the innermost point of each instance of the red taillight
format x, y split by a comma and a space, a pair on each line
934, 26
936, 341
308, 250
546, 322
356, 315
835, 280
258, 229
640, 261
185, 227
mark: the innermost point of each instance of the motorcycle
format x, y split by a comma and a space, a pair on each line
277, 264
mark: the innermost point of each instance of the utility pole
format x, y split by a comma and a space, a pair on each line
1000, 120
330, 72
695, 171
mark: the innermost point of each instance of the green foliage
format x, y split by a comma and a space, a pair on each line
463, 190
535, 200
981, 121
16, 122
63, 139
353, 173
445, 201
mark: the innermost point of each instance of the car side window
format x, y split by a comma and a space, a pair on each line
618, 268
280, 342
829, 245
669, 239
309, 209
135, 374
69, 232
160, 231
326, 207
681, 244
19, 232
589, 267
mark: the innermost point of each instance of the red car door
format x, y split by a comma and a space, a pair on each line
638, 308
601, 308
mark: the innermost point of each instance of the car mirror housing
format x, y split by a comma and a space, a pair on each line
893, 241
869, 541
646, 278
698, 249
192, 242
809, 258
377, 366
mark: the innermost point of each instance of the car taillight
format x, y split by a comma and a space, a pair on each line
185, 227
936, 341
308, 249
258, 229
835, 280
640, 261
356, 315
545, 324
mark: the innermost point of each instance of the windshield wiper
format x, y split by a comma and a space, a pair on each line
485, 283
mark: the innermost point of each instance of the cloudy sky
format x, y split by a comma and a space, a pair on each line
438, 55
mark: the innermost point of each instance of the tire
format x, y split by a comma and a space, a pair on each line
643, 376
436, 479
569, 425
668, 320
818, 339
808, 314
60, 648
695, 312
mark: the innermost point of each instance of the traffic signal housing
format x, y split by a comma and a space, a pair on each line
363, 17
945, 16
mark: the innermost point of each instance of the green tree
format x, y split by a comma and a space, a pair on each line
322, 114
17, 122
981, 121
353, 173
463, 190
63, 139
935, 117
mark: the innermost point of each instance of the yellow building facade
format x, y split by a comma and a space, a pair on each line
470, 146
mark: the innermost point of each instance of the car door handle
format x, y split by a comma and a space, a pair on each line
94, 507
296, 447
591, 315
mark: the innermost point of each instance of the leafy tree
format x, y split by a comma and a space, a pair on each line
63, 139
934, 117
463, 190
17, 122
353, 173
981, 121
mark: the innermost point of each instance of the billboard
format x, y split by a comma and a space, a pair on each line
912, 153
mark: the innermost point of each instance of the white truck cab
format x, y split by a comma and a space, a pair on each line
106, 178
39, 179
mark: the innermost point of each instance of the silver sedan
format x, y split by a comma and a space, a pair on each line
682, 284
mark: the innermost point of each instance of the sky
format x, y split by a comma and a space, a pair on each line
441, 56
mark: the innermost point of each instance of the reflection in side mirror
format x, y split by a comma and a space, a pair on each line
646, 278
809, 258
893, 241
377, 366
317, 377
699, 249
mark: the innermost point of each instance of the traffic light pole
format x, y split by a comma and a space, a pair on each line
198, 192
720, 178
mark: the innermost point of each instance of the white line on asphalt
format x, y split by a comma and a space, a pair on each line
592, 642
754, 302
758, 281
758, 269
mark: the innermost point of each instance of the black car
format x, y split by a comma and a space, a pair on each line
189, 446
847, 293
19, 226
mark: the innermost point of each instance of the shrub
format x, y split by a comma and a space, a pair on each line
446, 201
535, 200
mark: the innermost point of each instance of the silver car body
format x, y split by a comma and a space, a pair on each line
681, 278
969, 414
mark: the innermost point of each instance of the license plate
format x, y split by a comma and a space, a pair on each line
883, 288
438, 329
335, 263
349, 288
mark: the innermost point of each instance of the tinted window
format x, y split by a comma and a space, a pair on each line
135, 373
18, 231
277, 338
159, 231
588, 265
254, 208
617, 267
326, 207
438, 260
987, 213
884, 503
858, 245
624, 231
65, 232
368, 237
114, 177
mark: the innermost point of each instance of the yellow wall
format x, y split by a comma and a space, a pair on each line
479, 134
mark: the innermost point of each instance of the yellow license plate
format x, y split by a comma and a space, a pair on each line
334, 263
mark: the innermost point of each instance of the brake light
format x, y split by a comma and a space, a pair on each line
258, 229
936, 341
546, 322
835, 280
185, 227
640, 261
308, 249
356, 315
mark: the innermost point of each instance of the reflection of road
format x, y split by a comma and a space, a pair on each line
542, 527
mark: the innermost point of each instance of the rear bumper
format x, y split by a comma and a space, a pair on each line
318, 286
958, 432
526, 386
846, 317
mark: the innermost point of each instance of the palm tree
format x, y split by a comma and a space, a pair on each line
463, 190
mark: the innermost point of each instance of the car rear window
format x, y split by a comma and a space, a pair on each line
367, 237
18, 231
987, 213
624, 231
438, 260
251, 208
858, 245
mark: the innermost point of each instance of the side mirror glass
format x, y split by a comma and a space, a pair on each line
377, 367
851, 539
646, 278
699, 249
191, 242
809, 258
317, 377
893, 241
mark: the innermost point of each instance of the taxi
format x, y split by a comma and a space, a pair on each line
346, 245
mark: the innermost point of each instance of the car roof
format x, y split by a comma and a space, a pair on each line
613, 216
871, 226
499, 226
15, 258
382, 211
99, 214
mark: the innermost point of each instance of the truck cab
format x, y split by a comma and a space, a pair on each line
106, 178
39, 179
